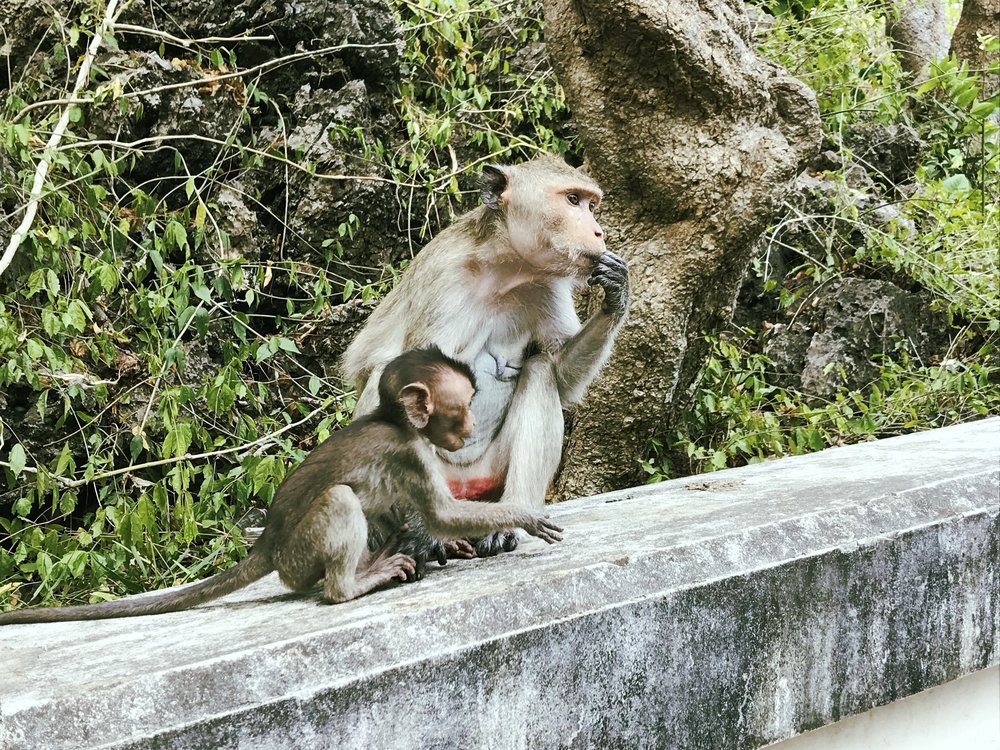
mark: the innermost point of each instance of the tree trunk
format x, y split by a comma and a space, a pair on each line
919, 31
978, 16
695, 139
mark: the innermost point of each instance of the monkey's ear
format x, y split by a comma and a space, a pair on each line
416, 401
493, 185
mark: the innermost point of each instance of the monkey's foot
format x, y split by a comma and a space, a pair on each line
497, 542
386, 569
423, 548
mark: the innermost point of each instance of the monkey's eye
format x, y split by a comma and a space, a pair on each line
593, 206
573, 198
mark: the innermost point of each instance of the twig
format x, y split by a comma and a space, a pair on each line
262, 67
133, 29
82, 79
157, 139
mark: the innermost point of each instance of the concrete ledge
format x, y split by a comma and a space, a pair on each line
725, 611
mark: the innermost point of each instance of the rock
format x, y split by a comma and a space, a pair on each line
836, 340
890, 153
322, 349
247, 236
28, 36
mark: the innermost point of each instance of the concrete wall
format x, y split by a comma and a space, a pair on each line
727, 611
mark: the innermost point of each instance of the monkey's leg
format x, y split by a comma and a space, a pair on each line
359, 571
529, 444
330, 543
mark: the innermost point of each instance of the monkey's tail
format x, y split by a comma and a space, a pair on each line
248, 570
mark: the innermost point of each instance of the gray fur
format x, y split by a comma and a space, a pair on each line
499, 282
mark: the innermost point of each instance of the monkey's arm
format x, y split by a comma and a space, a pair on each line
447, 517
368, 393
579, 360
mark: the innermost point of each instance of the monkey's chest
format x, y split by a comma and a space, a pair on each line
497, 372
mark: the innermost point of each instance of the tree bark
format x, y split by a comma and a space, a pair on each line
919, 31
695, 140
978, 16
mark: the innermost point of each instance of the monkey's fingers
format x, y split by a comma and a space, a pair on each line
612, 265
406, 565
609, 271
460, 549
547, 531
494, 544
439, 551
608, 278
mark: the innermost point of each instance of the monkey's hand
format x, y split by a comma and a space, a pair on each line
421, 546
611, 273
540, 526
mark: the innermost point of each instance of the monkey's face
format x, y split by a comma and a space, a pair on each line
556, 229
577, 235
452, 421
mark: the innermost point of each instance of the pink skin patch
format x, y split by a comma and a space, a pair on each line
487, 488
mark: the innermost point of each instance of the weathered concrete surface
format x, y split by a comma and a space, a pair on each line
725, 611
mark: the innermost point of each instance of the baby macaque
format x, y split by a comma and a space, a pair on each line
318, 526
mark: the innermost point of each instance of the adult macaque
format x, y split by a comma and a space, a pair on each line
494, 291
317, 528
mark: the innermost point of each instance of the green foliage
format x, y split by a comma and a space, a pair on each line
739, 417
943, 240
470, 95
840, 50
960, 124
127, 292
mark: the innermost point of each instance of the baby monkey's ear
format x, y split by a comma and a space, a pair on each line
417, 403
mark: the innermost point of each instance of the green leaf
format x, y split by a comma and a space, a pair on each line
287, 345
146, 513
67, 502
17, 459
957, 183
75, 562
263, 474
22, 506
108, 277
200, 214
65, 463
52, 283
178, 440
264, 351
